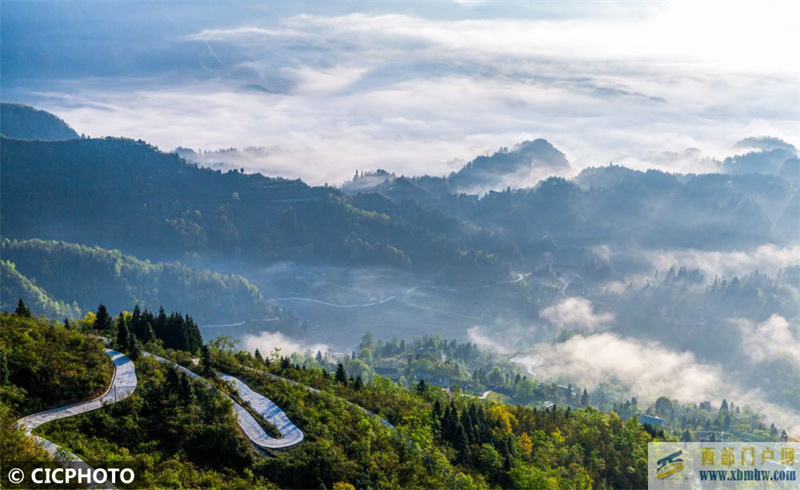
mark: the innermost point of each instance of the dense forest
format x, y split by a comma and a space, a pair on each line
179, 430
24, 122
83, 276
478, 373
126, 194
15, 285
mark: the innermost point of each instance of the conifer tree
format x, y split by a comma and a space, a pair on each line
22, 310
102, 320
123, 336
205, 353
135, 348
4, 371
341, 374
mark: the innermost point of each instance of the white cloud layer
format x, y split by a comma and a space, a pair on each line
767, 259
266, 342
331, 94
771, 338
575, 314
651, 370
485, 341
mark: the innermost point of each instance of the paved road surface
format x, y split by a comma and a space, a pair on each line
246, 421
263, 406
122, 385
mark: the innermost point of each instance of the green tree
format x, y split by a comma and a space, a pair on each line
3, 369
123, 335
103, 321
22, 310
208, 368
341, 374
135, 349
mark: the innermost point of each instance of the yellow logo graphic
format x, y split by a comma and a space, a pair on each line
669, 465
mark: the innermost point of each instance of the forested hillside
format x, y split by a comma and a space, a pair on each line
84, 276
175, 430
24, 122
126, 194
14, 285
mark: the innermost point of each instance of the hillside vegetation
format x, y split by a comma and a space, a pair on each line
179, 432
85, 276
24, 122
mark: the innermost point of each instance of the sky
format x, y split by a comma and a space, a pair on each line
323, 89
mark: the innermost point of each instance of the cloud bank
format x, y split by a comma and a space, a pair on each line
416, 93
772, 338
767, 259
651, 370
266, 342
575, 314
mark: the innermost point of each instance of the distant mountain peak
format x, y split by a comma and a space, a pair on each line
20, 121
522, 166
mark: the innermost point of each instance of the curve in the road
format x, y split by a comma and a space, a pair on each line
263, 406
291, 435
123, 383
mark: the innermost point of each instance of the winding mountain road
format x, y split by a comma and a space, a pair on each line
123, 383
263, 406
290, 434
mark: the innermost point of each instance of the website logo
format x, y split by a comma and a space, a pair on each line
669, 465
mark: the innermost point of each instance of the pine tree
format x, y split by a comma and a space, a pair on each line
137, 326
421, 386
506, 452
186, 392
258, 356
341, 374
437, 410
67, 324
102, 320
193, 340
4, 371
686, 436
359, 383
160, 325
585, 398
205, 353
22, 310
461, 443
135, 349
123, 336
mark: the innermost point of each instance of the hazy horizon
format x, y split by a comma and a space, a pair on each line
325, 89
